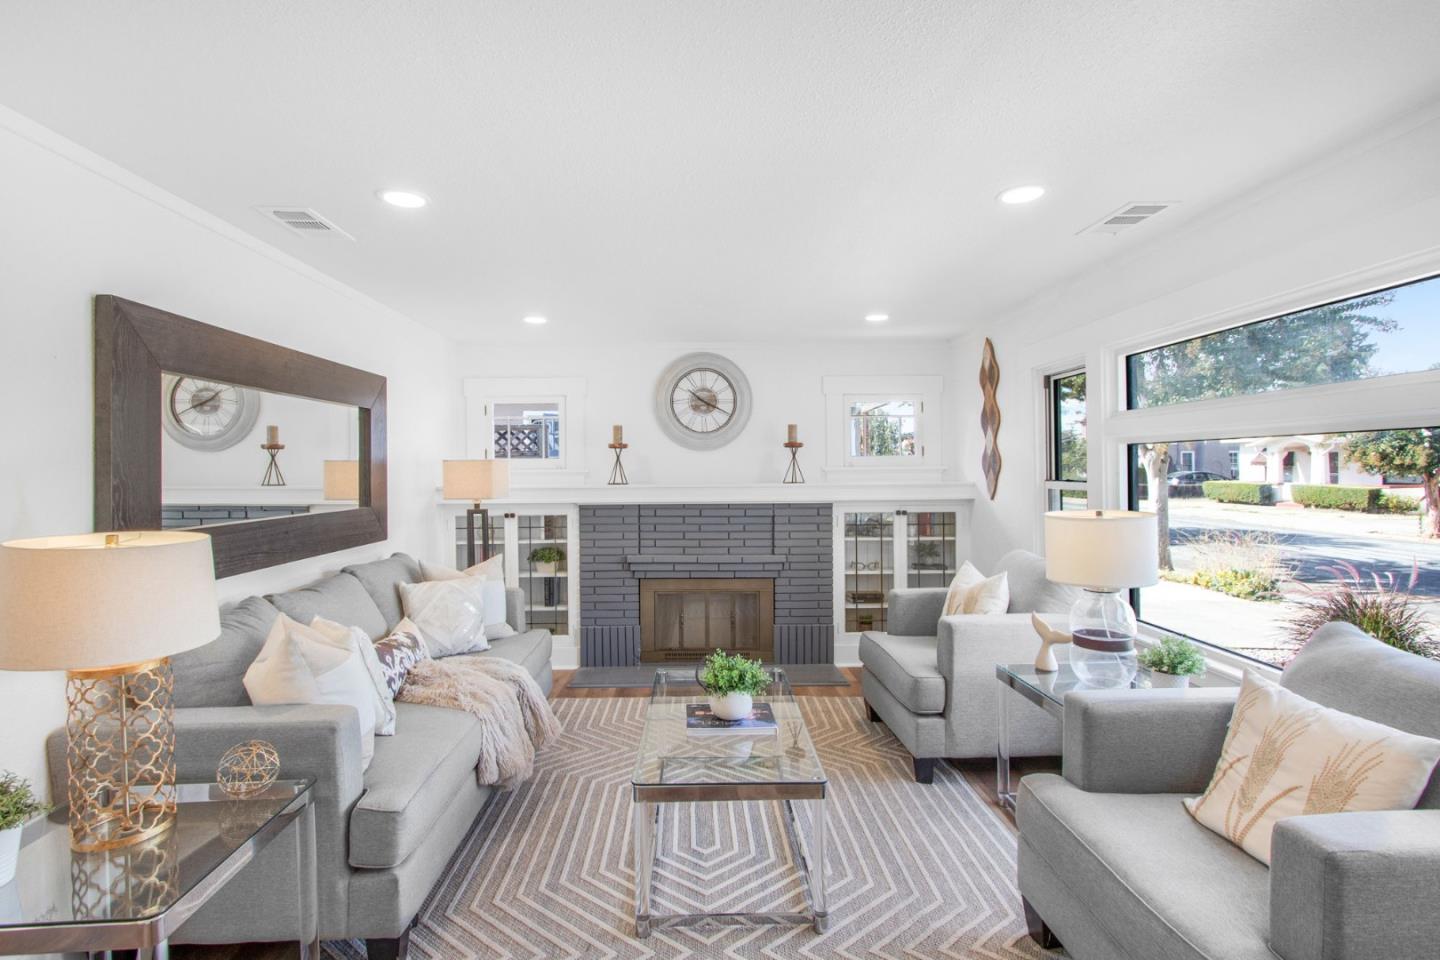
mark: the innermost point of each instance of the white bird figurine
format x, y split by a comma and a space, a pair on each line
1045, 660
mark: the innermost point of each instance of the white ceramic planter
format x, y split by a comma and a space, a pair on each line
1160, 680
545, 569
9, 853
732, 706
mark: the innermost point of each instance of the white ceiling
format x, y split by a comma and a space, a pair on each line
721, 170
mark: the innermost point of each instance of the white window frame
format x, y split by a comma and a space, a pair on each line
482, 395
1190, 456
852, 459
1391, 402
1051, 489
927, 465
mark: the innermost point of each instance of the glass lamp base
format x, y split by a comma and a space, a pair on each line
1103, 627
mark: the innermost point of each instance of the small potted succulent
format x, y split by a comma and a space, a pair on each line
18, 805
546, 560
1172, 661
732, 681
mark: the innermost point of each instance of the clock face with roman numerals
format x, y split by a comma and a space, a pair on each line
703, 401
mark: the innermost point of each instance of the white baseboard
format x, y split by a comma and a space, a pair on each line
847, 652
565, 654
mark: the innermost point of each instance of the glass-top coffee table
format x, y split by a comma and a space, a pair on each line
136, 897
674, 766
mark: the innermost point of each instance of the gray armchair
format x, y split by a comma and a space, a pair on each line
932, 679
1112, 866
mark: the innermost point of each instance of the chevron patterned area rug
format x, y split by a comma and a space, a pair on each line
915, 871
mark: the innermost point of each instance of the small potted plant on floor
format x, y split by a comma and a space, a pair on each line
18, 804
732, 681
1172, 661
546, 560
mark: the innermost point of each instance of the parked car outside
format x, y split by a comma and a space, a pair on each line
1186, 477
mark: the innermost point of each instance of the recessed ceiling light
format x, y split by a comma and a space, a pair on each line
1026, 194
876, 317
536, 321
404, 199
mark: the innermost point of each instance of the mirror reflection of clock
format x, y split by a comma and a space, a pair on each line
205, 414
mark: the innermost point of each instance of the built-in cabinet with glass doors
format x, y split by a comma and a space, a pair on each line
540, 544
883, 548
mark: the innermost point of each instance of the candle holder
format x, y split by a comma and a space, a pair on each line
794, 473
617, 472
273, 477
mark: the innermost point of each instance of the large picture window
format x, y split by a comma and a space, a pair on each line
1309, 529
1386, 332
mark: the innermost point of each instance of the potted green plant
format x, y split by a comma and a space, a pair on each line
732, 681
18, 804
546, 560
1172, 661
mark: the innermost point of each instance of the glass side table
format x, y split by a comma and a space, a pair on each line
1048, 691
136, 897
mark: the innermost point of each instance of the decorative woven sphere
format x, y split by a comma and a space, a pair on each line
248, 768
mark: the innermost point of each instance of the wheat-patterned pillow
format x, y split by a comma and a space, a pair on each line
1286, 756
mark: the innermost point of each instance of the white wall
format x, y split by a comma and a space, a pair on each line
1364, 218
620, 380
75, 226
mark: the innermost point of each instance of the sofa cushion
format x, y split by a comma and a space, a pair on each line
1345, 669
1030, 590
410, 782
213, 675
381, 579
530, 649
908, 667
1153, 878
340, 598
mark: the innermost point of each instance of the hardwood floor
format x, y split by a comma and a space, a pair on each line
980, 774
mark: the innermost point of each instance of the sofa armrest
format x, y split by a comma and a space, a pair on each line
313, 740
1145, 741
515, 609
1346, 886
977, 642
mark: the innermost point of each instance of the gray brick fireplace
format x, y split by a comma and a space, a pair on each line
621, 544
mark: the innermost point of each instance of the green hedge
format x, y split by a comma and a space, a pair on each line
1236, 491
1334, 497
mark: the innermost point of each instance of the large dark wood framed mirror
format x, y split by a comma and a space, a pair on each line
277, 454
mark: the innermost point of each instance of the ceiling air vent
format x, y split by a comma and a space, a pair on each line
1129, 217
305, 221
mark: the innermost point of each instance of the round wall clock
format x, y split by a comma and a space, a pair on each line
207, 414
702, 401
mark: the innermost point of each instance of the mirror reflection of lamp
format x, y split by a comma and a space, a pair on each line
342, 480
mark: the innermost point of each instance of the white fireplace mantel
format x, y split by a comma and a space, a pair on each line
733, 493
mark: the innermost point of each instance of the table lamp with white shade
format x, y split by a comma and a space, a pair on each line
476, 481
342, 480
110, 609
1107, 552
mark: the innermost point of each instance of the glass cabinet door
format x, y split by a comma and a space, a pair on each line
540, 547
869, 569
930, 554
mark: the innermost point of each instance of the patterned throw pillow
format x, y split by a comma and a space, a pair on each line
1286, 756
384, 699
399, 652
449, 613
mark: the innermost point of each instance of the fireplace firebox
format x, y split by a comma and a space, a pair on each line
687, 619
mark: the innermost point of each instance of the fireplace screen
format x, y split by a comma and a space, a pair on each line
686, 619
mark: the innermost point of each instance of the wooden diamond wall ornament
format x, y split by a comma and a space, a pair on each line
990, 417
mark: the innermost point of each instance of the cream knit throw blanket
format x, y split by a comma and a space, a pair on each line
515, 718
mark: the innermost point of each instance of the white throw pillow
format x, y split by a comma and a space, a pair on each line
384, 700
299, 664
449, 613
1287, 756
971, 592
492, 573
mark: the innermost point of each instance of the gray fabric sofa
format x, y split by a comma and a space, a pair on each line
1113, 866
932, 680
385, 834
